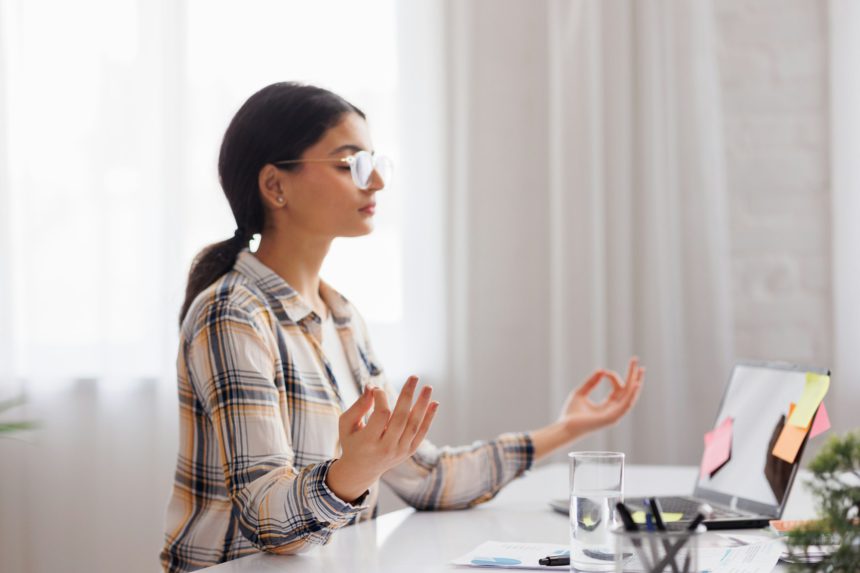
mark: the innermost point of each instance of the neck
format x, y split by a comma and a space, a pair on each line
297, 259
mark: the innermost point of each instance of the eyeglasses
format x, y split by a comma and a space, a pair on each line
361, 165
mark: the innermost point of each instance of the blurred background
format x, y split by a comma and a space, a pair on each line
576, 181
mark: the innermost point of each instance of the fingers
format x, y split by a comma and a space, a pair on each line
615, 379
401, 410
591, 383
351, 419
424, 427
381, 413
632, 369
416, 417
631, 392
638, 386
623, 398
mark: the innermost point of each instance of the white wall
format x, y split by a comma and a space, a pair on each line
774, 68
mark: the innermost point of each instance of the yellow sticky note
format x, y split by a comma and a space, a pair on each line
813, 393
639, 517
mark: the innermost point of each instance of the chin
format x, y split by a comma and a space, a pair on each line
360, 231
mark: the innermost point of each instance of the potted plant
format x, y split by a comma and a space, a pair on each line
836, 487
9, 427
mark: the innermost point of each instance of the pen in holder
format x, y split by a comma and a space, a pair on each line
657, 551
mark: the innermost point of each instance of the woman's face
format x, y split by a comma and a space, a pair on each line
321, 199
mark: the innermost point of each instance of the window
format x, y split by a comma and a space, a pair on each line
111, 136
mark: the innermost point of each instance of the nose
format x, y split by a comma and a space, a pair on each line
375, 183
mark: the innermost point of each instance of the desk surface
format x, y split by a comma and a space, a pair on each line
407, 540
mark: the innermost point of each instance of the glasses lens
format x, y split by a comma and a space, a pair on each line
362, 168
384, 167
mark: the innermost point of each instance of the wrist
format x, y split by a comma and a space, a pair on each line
346, 483
549, 438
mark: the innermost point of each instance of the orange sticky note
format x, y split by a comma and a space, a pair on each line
790, 439
718, 448
821, 423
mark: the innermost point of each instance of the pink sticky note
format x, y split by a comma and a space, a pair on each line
718, 448
821, 423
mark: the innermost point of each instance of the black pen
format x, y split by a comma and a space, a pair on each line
705, 510
554, 560
626, 518
631, 527
657, 512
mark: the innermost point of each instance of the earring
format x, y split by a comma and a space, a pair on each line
280, 199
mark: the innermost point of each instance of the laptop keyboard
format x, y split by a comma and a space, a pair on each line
689, 507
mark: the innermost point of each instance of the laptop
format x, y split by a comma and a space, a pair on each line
752, 487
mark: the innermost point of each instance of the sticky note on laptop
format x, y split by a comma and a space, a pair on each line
668, 517
821, 423
813, 393
718, 448
789, 442
791, 437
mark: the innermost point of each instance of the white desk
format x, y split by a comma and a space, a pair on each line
407, 540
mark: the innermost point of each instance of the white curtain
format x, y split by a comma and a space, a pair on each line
111, 115
589, 212
640, 212
845, 213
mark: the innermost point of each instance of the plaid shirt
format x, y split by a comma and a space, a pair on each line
258, 411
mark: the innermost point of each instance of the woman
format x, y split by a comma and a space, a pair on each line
286, 421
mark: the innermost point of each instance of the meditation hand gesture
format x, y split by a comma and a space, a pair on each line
370, 449
581, 414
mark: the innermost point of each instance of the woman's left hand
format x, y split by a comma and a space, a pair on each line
581, 415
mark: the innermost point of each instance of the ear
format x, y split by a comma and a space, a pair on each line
271, 183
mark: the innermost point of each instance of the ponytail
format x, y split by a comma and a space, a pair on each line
210, 264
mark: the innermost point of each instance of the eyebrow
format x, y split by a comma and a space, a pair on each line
347, 147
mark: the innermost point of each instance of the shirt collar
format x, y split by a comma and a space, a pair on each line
277, 288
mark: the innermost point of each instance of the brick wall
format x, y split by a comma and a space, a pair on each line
773, 64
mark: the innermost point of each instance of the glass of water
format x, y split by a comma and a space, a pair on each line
596, 485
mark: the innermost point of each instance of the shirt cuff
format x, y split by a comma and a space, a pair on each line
518, 451
327, 507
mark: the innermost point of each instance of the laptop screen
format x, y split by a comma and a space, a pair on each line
757, 399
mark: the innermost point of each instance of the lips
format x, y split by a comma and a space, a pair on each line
369, 208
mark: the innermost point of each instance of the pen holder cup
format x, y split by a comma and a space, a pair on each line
657, 551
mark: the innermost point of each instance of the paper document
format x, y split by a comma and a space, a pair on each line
754, 558
512, 555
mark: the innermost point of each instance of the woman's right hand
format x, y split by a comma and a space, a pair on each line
370, 449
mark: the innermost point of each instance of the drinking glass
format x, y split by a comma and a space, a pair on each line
596, 485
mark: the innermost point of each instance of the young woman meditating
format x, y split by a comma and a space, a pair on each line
287, 423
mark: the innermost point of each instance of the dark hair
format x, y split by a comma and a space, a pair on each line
279, 122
